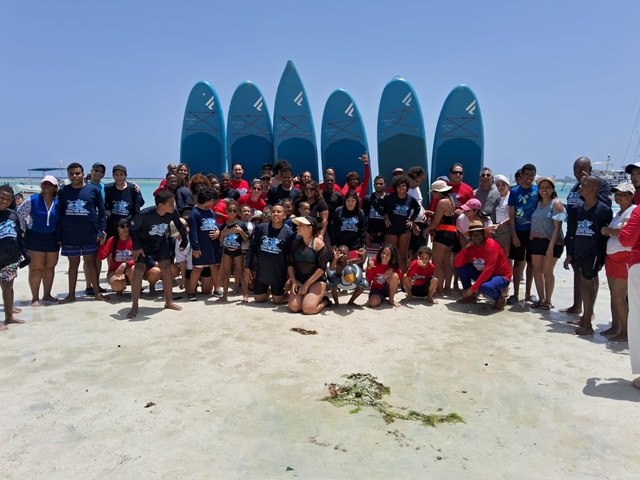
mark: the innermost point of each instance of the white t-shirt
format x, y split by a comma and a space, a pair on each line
613, 244
502, 209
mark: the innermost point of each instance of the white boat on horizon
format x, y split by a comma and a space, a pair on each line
34, 184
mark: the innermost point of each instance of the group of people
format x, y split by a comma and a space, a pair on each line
293, 239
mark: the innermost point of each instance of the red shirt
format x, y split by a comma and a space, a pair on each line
375, 275
336, 188
220, 209
361, 189
246, 200
241, 185
122, 254
488, 258
462, 193
629, 236
419, 273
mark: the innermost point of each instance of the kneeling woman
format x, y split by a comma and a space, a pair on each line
118, 251
308, 259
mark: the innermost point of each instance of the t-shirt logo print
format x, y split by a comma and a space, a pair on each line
120, 207
349, 224
158, 230
478, 263
401, 210
8, 229
76, 207
208, 224
270, 245
584, 229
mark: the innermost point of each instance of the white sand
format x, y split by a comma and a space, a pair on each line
238, 393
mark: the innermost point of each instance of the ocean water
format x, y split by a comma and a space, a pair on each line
147, 185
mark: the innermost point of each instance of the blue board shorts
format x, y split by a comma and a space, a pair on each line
79, 250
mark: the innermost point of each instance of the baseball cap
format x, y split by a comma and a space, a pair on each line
98, 164
51, 179
472, 204
631, 166
625, 188
122, 168
122, 221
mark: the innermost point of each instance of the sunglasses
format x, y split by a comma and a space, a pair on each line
486, 175
457, 172
123, 226
256, 188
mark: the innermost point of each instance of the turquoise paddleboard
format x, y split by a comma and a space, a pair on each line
203, 135
294, 137
459, 136
401, 136
343, 139
249, 136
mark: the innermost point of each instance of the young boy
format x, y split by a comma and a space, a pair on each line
420, 280
202, 232
344, 262
587, 246
10, 253
148, 232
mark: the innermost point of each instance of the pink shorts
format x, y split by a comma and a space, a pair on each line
617, 265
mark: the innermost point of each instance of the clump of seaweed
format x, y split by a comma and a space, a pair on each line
364, 390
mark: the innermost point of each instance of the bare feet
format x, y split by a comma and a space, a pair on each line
393, 303
172, 306
245, 298
621, 337
352, 305
572, 310
13, 320
610, 331
35, 303
431, 300
68, 299
583, 331
17, 310
132, 313
223, 299
575, 322
406, 299
101, 298
2, 327
49, 298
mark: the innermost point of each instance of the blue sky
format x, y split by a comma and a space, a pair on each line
108, 81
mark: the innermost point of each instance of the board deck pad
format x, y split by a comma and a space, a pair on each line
202, 145
459, 136
294, 136
401, 135
343, 137
249, 132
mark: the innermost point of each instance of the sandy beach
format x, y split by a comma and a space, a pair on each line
237, 394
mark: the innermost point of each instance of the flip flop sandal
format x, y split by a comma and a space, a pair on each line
538, 304
546, 306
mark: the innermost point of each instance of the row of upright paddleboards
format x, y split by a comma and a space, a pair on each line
252, 140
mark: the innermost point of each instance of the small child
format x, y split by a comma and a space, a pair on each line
202, 233
343, 258
384, 276
233, 233
420, 280
182, 258
10, 254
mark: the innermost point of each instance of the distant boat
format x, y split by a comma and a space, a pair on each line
605, 171
34, 184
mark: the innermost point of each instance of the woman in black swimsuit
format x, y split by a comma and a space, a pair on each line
443, 223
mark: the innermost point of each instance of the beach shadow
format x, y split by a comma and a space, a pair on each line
144, 314
478, 309
615, 389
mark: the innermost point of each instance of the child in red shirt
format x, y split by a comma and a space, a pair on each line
420, 280
384, 276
